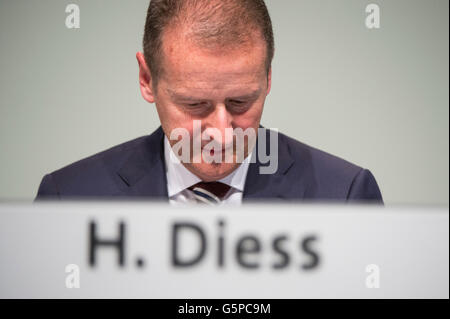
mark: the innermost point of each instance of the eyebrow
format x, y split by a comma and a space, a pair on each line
183, 97
250, 96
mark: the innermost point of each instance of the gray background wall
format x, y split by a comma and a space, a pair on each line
378, 98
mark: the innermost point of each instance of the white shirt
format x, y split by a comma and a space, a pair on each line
179, 178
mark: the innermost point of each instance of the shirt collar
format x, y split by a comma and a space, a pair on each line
179, 177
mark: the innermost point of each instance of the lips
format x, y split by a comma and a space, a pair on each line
223, 149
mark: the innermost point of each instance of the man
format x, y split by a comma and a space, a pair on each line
207, 66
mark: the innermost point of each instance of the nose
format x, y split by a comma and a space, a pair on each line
221, 119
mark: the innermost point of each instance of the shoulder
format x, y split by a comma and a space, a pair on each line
319, 160
111, 158
326, 175
91, 176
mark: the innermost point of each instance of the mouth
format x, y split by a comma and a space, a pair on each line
212, 152
223, 150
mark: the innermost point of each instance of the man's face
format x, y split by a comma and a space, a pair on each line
223, 88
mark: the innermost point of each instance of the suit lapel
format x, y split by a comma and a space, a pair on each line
144, 171
268, 186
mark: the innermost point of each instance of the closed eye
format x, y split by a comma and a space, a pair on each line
196, 104
238, 106
237, 102
197, 108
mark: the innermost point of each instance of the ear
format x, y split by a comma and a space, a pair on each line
269, 81
145, 79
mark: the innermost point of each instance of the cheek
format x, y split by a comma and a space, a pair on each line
172, 117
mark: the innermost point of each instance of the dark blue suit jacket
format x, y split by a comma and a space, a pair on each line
136, 169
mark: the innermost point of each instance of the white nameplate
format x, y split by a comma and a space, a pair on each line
144, 250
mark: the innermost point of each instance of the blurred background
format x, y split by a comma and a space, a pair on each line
375, 97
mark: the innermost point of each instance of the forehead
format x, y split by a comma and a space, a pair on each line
189, 64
